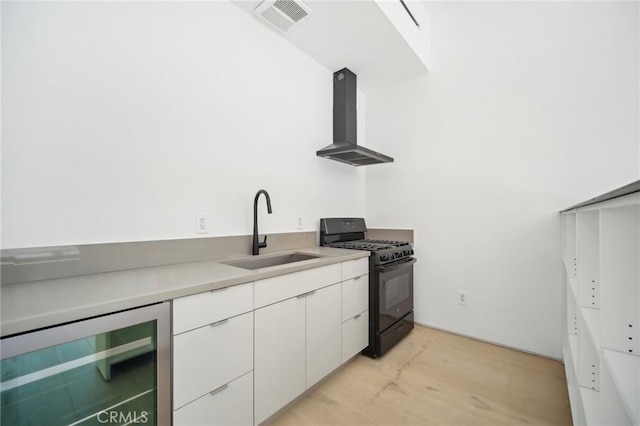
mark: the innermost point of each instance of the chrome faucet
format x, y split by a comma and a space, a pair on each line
258, 245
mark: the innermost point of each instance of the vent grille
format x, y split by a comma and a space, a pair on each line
291, 9
283, 14
277, 20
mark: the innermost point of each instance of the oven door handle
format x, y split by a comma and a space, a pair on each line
394, 266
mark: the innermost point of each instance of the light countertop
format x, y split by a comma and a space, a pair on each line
34, 305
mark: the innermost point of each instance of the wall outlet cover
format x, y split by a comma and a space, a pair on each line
463, 297
202, 224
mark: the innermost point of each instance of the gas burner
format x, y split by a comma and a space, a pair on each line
349, 233
369, 245
388, 243
384, 251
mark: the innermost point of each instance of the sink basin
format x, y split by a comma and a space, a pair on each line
268, 261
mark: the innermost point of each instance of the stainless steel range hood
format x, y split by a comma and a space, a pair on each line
345, 147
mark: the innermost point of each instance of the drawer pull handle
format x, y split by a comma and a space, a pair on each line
306, 294
219, 289
357, 316
218, 390
357, 278
224, 321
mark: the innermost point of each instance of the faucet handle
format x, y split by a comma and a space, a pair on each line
263, 244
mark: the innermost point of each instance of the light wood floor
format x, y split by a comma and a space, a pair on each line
437, 378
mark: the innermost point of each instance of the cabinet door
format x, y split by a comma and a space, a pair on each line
231, 404
355, 335
210, 356
279, 368
200, 309
355, 296
324, 326
355, 268
275, 289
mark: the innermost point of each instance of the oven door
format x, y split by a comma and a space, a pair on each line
394, 284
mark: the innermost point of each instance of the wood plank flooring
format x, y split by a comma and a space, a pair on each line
437, 378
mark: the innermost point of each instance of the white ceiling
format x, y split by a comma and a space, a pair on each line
352, 34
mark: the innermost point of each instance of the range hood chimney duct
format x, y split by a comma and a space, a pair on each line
345, 147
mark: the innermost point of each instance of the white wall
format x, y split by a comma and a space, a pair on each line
529, 108
121, 121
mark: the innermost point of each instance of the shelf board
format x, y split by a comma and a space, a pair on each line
592, 321
591, 404
573, 285
570, 267
573, 348
625, 372
620, 192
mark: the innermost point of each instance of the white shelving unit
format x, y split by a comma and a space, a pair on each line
601, 254
589, 349
623, 371
591, 403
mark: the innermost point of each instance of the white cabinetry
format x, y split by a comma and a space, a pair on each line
355, 307
355, 335
213, 357
297, 344
242, 353
297, 340
279, 356
230, 404
272, 290
206, 308
324, 326
601, 244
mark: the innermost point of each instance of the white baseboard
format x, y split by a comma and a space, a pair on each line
488, 341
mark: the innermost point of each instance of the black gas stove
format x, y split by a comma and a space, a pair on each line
390, 280
383, 251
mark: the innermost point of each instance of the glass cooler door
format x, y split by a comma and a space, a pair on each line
109, 370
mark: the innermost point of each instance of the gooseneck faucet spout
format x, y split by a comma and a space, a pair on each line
258, 245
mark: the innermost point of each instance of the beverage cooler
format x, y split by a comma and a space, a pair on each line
108, 370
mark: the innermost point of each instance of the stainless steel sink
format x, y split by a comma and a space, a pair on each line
268, 261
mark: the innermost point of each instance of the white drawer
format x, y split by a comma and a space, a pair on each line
272, 290
210, 356
228, 405
355, 335
355, 296
354, 268
205, 308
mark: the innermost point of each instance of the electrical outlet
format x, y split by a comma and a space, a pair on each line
299, 222
202, 224
463, 297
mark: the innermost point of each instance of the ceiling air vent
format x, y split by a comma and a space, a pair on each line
283, 14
